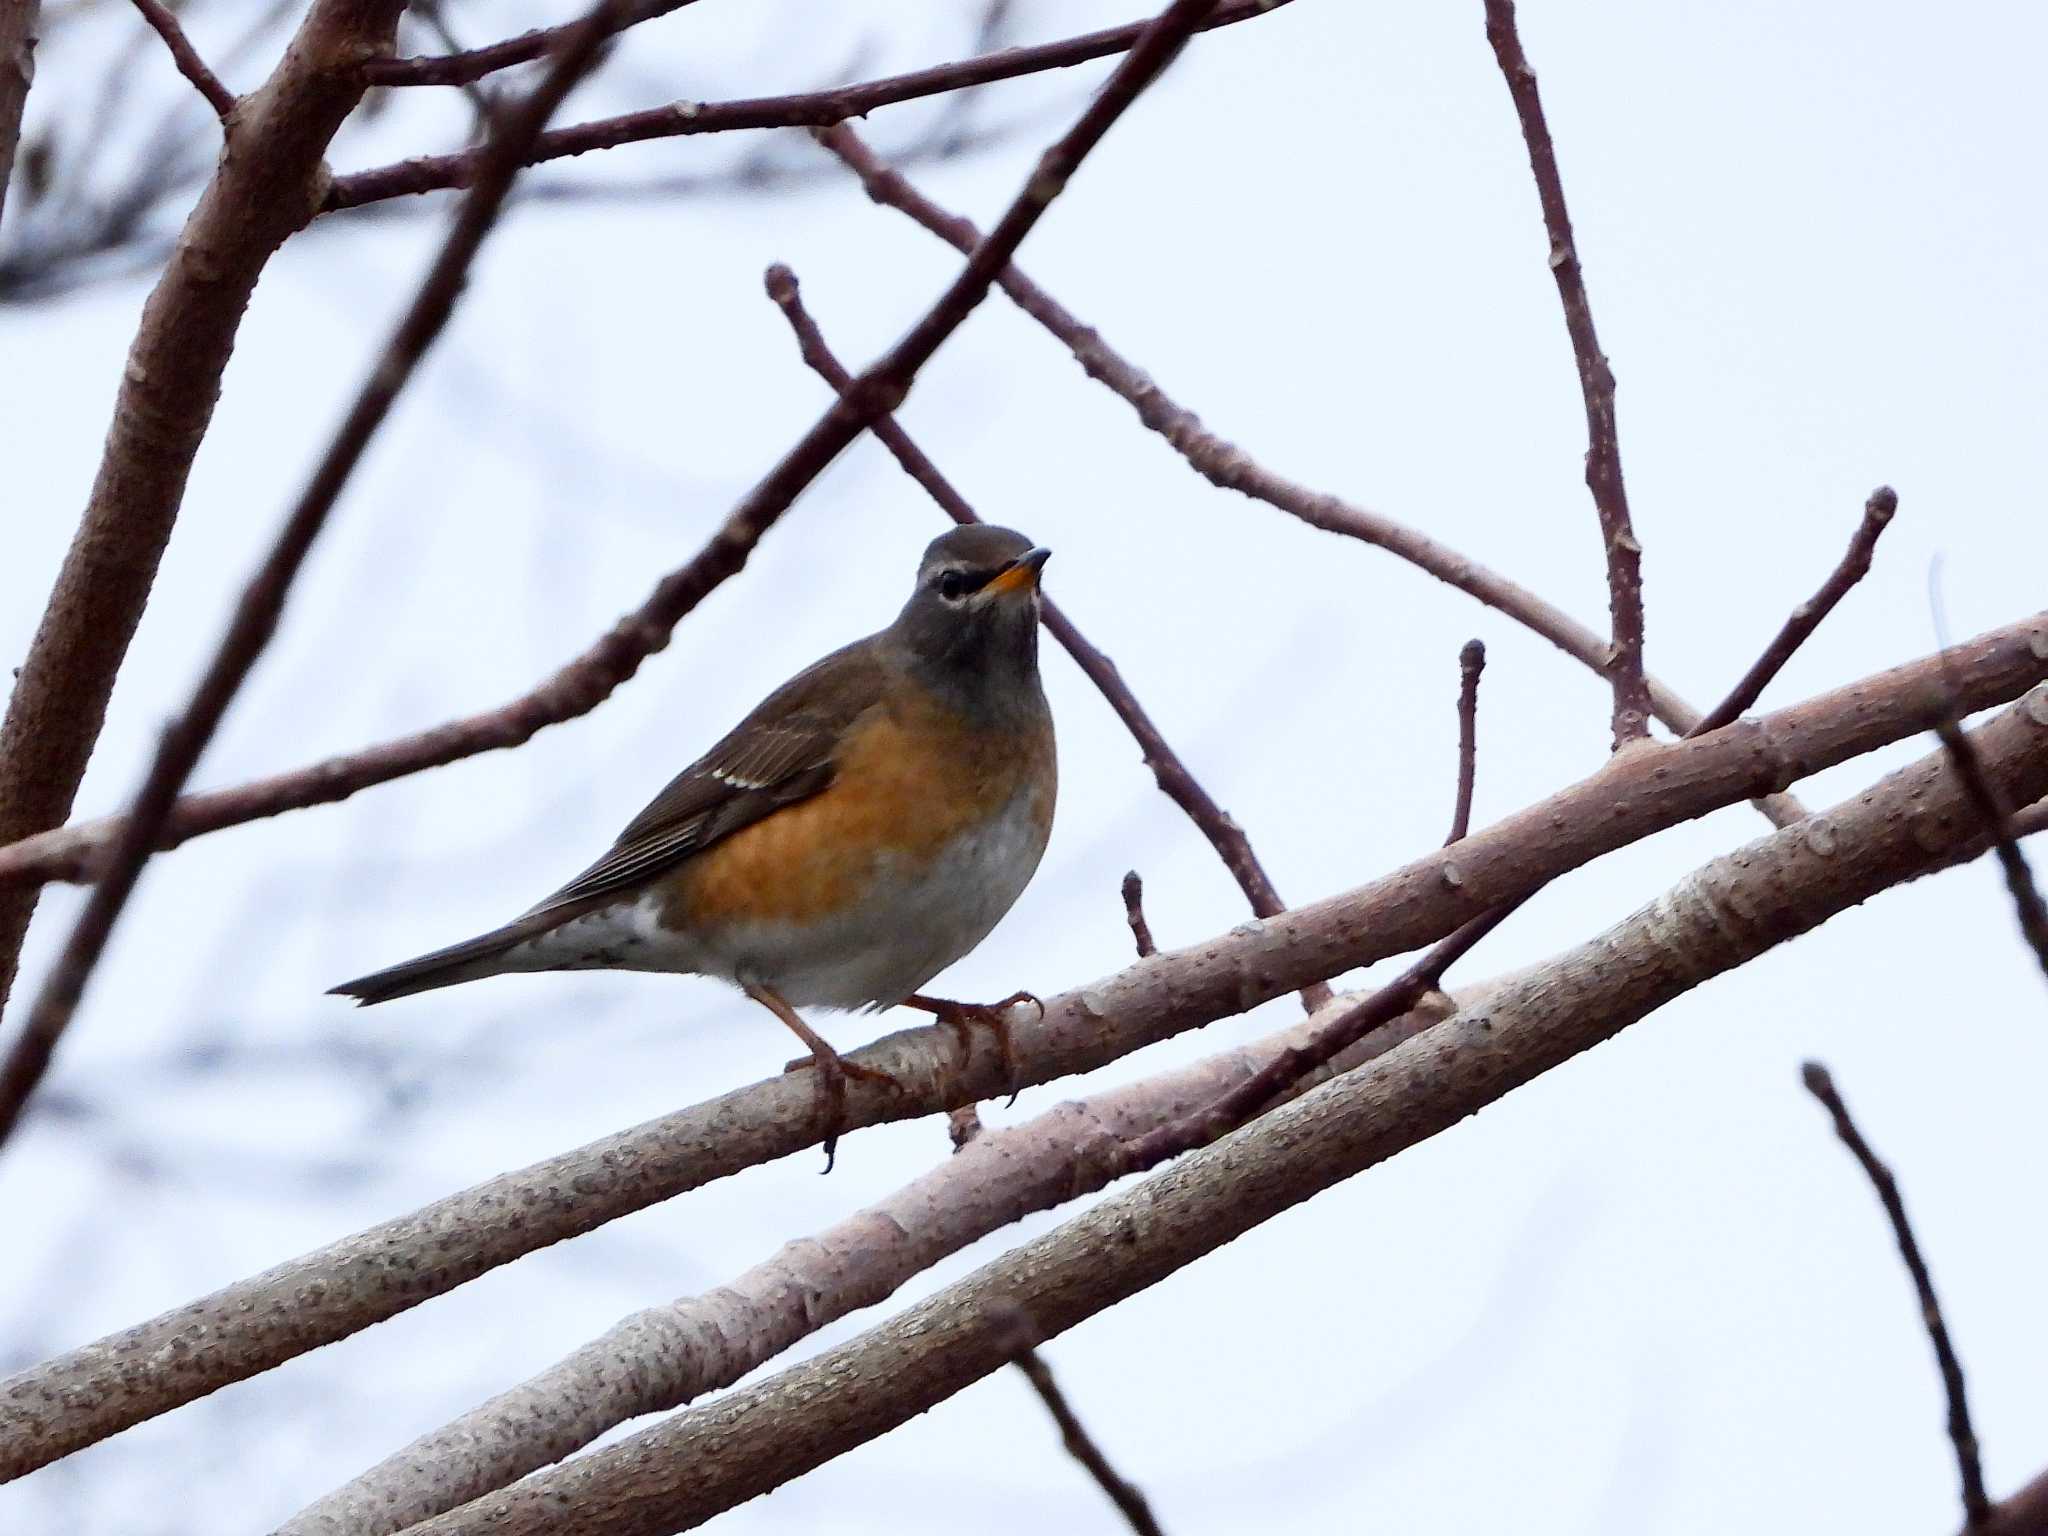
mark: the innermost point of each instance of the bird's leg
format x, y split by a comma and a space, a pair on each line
833, 1068
994, 1017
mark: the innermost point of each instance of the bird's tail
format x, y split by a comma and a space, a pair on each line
470, 960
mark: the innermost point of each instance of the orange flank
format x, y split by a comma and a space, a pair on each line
909, 778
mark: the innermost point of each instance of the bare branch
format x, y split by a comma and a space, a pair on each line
1976, 1506
190, 65
1806, 618
1224, 464
262, 601
430, 173
93, 1392
473, 64
1998, 824
1134, 914
1632, 705
1471, 662
695, 1465
1082, 1447
1171, 773
259, 196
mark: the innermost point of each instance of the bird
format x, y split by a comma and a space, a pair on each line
867, 825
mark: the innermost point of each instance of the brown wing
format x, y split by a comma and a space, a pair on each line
781, 753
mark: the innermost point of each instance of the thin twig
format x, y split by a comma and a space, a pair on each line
1168, 770
1806, 618
1596, 384
1223, 463
1134, 914
1082, 1447
1471, 662
1976, 1506
807, 109
262, 601
472, 64
190, 65
1998, 822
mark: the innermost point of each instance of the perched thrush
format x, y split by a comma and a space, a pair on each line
862, 829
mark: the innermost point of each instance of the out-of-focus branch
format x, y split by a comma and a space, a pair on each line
472, 64
1134, 914
186, 57
1998, 825
18, 19
698, 1344
1596, 383
430, 173
1806, 618
1471, 662
1081, 1445
690, 1467
262, 602
1173, 776
1222, 463
2024, 1513
261, 192
82, 1397
1976, 1506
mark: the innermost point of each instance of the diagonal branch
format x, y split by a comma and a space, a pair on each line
473, 64
691, 1467
1224, 464
262, 602
1632, 706
1976, 1506
1806, 618
260, 195
1999, 825
1081, 1445
808, 109
1172, 775
186, 57
96, 1391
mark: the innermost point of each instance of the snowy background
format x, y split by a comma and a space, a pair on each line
1647, 1294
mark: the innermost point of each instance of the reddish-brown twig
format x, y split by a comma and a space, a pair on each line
430, 173
1976, 1506
1471, 662
262, 601
186, 57
1806, 618
1171, 774
1596, 384
1082, 1447
1223, 463
1992, 810
1134, 914
472, 64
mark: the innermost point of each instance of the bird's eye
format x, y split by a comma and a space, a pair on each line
952, 585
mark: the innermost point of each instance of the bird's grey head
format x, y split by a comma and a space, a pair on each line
972, 620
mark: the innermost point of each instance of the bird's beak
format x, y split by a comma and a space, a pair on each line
1020, 575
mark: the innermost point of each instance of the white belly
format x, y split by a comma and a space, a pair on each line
910, 926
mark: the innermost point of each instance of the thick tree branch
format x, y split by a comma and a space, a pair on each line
1172, 775
1223, 464
268, 184
18, 20
1976, 1506
680, 1473
186, 57
82, 1397
262, 601
431, 173
1806, 618
1632, 705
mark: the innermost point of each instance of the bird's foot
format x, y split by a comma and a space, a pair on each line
833, 1071
994, 1017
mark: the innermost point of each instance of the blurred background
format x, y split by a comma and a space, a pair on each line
1649, 1293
